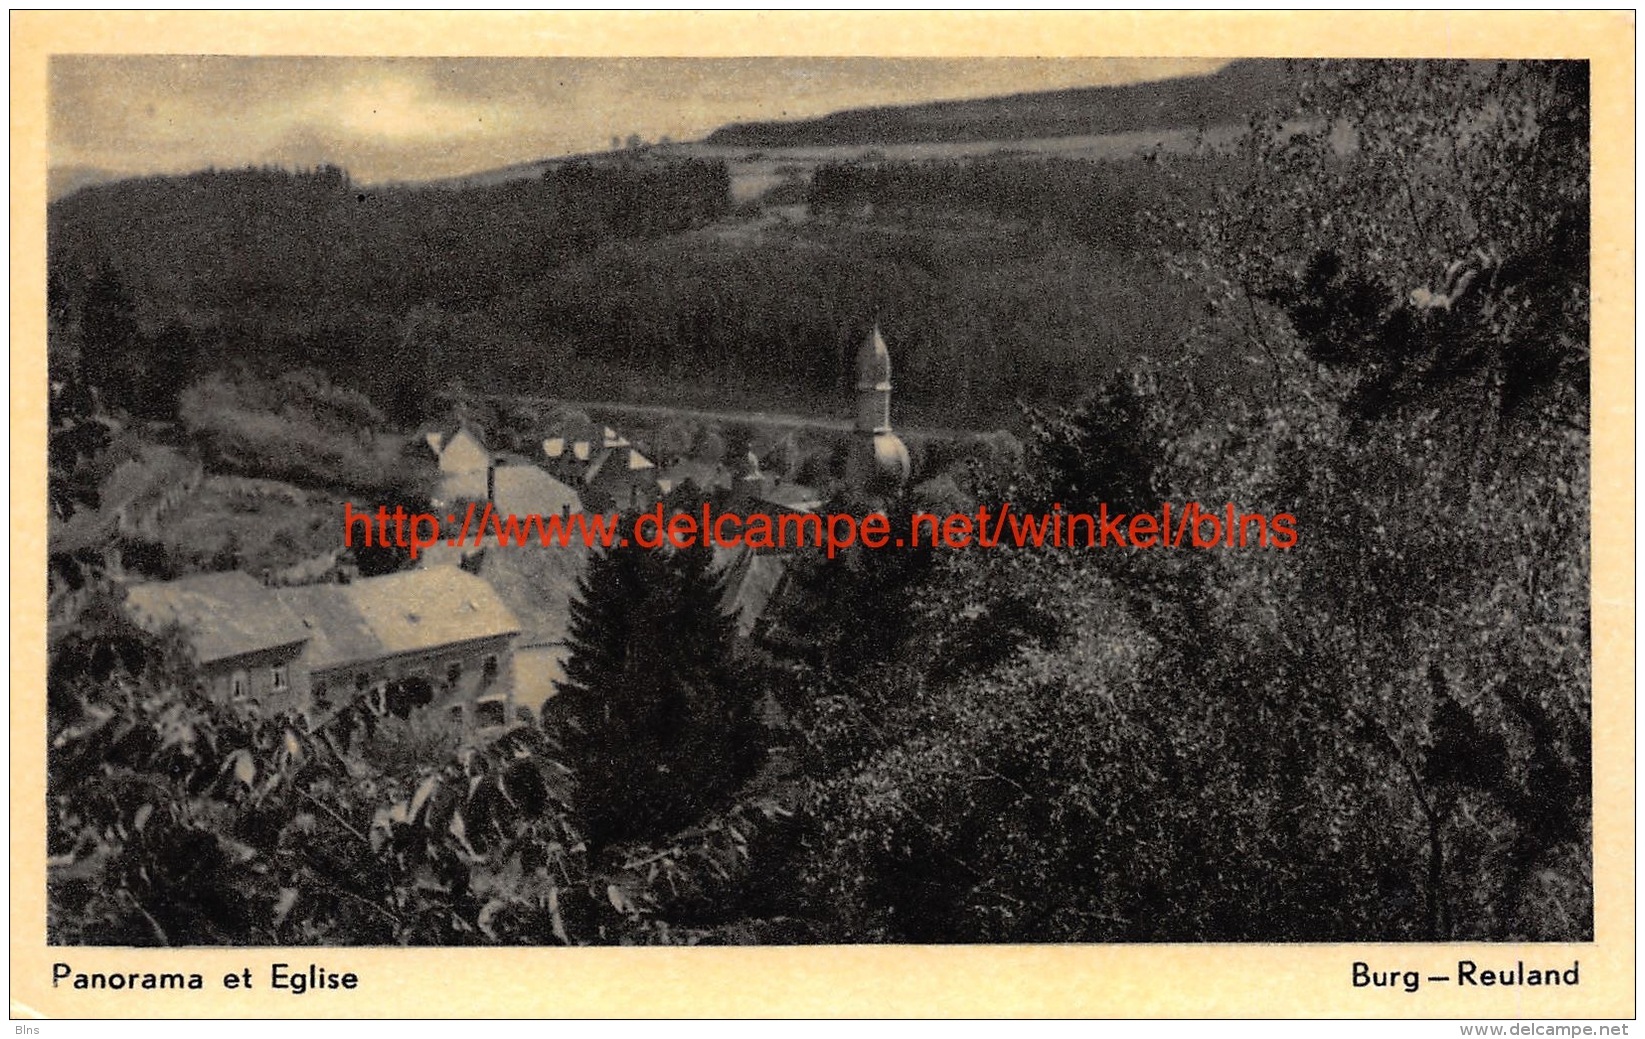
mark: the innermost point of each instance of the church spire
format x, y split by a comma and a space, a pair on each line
880, 463
874, 384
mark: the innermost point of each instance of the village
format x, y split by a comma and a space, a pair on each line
474, 629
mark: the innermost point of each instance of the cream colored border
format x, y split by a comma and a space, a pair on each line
1180, 981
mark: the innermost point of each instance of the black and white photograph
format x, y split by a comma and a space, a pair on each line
818, 501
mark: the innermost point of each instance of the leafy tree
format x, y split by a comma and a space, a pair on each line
75, 439
1424, 235
176, 819
1104, 450
1420, 300
1363, 737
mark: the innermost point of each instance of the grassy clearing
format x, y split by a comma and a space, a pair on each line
253, 525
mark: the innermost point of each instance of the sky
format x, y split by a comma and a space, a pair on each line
415, 119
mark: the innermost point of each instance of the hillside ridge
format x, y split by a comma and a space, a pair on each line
1230, 94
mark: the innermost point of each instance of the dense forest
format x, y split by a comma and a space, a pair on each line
608, 280
1381, 734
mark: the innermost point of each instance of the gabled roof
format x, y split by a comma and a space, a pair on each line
440, 437
338, 633
441, 443
751, 579
424, 609
226, 615
463, 432
537, 584
526, 489
231, 614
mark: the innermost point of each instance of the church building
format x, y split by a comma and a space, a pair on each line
879, 464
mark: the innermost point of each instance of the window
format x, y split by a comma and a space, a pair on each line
491, 669
454, 672
237, 684
281, 680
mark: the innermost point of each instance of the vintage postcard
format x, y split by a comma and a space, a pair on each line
762, 514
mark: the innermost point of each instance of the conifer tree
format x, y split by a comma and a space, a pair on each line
660, 722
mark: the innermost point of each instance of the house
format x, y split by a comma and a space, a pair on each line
512, 489
610, 471
569, 451
460, 452
439, 630
619, 477
440, 635
537, 585
248, 644
470, 472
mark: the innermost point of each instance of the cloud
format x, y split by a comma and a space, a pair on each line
398, 106
419, 118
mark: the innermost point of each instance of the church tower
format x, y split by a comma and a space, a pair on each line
880, 463
874, 385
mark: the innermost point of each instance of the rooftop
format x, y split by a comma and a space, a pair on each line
231, 614
227, 614
421, 609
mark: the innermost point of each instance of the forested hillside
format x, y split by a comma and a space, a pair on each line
1010, 279
1229, 95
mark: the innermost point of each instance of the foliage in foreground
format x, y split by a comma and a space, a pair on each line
177, 820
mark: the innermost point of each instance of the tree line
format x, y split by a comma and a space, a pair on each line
1097, 203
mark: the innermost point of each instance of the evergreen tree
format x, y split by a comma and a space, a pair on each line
854, 612
110, 340
659, 715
